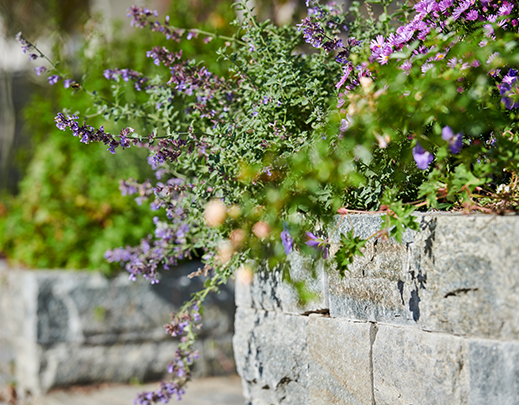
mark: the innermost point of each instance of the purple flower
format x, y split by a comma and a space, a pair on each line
509, 90
377, 43
286, 239
505, 9
426, 67
317, 243
472, 15
406, 66
67, 83
345, 124
347, 70
422, 158
53, 79
445, 4
455, 140
384, 55
109, 74
39, 70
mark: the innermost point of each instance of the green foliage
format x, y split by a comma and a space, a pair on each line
351, 247
69, 209
285, 135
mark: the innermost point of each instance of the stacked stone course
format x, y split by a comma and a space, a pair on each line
431, 320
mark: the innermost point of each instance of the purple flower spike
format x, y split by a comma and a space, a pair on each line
67, 83
422, 158
53, 79
455, 140
39, 70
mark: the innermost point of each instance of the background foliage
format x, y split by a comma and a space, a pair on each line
69, 208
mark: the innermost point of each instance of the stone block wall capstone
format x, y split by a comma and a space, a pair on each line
432, 320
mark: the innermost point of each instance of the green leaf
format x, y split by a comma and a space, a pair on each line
351, 247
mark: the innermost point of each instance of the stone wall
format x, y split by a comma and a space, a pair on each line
434, 320
62, 328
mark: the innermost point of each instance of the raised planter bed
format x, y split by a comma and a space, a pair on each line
63, 327
433, 320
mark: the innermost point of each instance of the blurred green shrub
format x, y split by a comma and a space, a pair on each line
69, 209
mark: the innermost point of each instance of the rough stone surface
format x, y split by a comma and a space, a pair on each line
494, 372
458, 274
339, 370
61, 327
269, 292
272, 356
411, 366
377, 286
470, 267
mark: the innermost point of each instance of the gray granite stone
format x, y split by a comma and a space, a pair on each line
269, 291
63, 327
432, 320
494, 372
364, 226
68, 364
272, 356
377, 286
459, 274
339, 355
411, 366
471, 271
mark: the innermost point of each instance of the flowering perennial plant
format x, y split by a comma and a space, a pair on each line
342, 113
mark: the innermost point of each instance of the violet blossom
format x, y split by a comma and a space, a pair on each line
286, 239
455, 141
317, 243
39, 70
53, 79
422, 157
509, 90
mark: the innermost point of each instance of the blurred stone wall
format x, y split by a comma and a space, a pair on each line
433, 320
60, 328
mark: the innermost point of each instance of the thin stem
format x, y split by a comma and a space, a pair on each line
64, 75
386, 24
334, 229
213, 35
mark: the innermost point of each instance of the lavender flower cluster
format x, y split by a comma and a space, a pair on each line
434, 15
322, 27
127, 74
35, 53
509, 90
170, 242
140, 18
87, 133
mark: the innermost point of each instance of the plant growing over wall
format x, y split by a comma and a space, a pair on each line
393, 113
